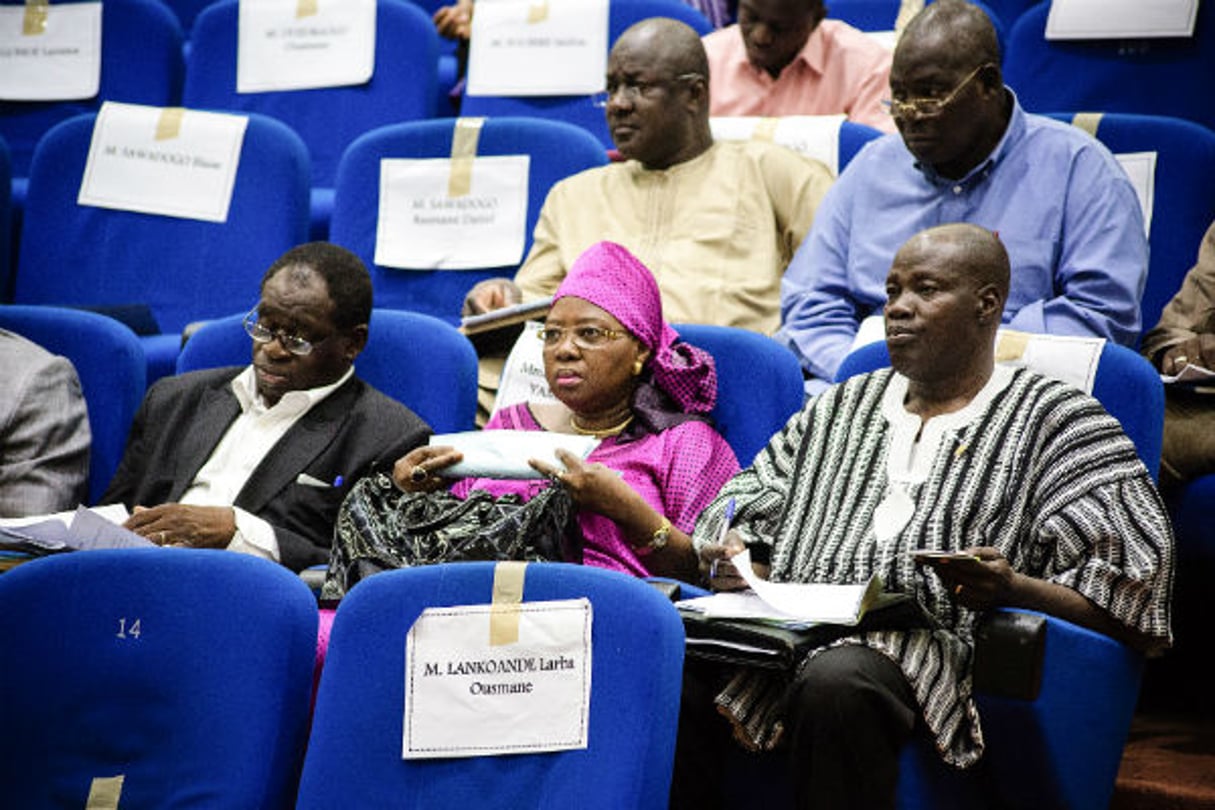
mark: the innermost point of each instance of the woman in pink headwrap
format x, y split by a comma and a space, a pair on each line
620, 373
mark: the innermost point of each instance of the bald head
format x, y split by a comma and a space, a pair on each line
975, 253
665, 44
959, 34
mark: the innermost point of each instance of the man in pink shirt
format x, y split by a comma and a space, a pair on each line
783, 58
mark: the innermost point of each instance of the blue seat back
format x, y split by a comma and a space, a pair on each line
557, 150
880, 15
582, 110
181, 270
141, 63
110, 364
186, 672
7, 223
1183, 206
1125, 384
402, 88
1167, 76
422, 362
759, 384
354, 752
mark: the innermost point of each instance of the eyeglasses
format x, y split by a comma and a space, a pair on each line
293, 343
929, 107
633, 90
584, 337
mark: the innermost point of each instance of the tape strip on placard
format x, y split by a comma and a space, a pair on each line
503, 611
104, 793
34, 21
168, 125
537, 12
907, 10
305, 8
765, 129
463, 152
1089, 122
1011, 345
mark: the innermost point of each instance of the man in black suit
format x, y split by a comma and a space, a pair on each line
259, 459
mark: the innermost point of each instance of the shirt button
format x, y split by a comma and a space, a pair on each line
957, 189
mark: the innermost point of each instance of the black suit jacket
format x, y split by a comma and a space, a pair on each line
352, 431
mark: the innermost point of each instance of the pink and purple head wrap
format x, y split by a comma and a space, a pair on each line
612, 278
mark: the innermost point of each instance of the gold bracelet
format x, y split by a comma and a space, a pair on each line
661, 536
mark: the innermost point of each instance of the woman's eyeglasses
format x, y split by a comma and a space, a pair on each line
584, 337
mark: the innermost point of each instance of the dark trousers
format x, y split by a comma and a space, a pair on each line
848, 716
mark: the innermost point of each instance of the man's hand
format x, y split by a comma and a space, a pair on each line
1196, 351
981, 581
717, 569
491, 294
455, 21
176, 524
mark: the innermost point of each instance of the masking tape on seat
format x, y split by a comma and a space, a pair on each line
508, 594
463, 152
537, 12
1011, 345
104, 793
1089, 122
765, 129
168, 126
34, 21
305, 8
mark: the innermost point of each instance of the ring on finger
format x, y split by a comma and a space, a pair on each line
418, 474
957, 591
1180, 360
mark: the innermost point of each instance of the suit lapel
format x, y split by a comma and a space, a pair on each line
216, 411
293, 453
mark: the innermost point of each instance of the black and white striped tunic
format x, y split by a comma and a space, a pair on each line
1032, 466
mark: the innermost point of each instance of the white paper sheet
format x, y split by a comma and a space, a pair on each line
62, 63
422, 227
816, 136
538, 48
466, 698
189, 176
504, 453
523, 377
279, 50
1141, 168
1116, 19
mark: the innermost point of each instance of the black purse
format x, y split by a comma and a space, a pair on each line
379, 527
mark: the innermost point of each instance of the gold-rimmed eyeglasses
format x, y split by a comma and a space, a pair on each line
584, 337
929, 107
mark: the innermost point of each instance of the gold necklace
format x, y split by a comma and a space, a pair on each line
602, 432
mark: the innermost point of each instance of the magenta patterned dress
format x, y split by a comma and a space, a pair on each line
677, 471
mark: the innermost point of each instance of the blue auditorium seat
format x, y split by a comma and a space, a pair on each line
178, 270
403, 350
110, 364
583, 110
1166, 76
557, 150
402, 88
880, 15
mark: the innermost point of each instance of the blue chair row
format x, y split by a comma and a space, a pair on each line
156, 630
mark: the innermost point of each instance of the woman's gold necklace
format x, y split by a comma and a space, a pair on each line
601, 432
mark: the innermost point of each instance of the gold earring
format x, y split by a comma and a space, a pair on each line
638, 364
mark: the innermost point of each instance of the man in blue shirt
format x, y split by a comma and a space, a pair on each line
966, 152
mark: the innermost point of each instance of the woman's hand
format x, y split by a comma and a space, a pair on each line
416, 470
593, 487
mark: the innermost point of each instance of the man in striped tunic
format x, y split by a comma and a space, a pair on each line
946, 451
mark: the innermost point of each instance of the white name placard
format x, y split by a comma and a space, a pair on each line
1117, 19
523, 377
169, 161
422, 225
816, 136
464, 697
1141, 168
52, 58
298, 44
540, 48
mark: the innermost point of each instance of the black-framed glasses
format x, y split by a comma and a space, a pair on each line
293, 343
929, 107
635, 89
584, 337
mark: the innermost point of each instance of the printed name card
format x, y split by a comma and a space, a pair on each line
298, 44
50, 52
538, 48
523, 377
168, 161
428, 222
815, 136
1141, 168
1118, 19
466, 696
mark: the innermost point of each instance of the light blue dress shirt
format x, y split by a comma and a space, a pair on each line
1063, 207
